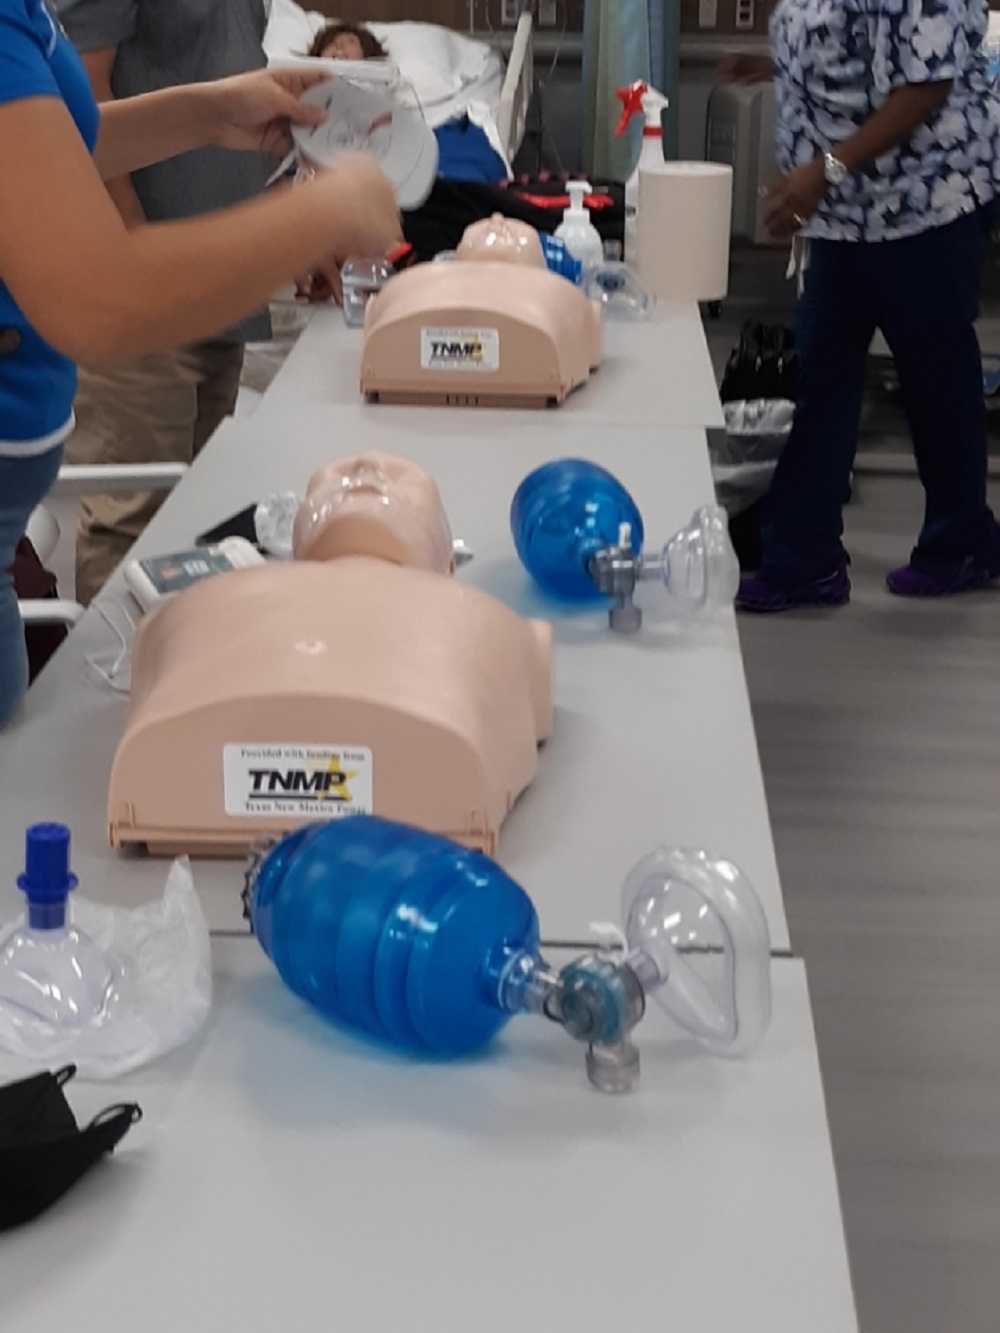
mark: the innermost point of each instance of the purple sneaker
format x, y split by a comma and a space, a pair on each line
761, 595
944, 581
926, 579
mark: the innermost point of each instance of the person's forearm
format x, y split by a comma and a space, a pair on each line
798, 196
177, 282
122, 191
102, 295
138, 131
100, 65
896, 120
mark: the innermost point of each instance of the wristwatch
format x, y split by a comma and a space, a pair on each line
834, 170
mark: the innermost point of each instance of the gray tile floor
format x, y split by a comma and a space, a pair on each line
879, 733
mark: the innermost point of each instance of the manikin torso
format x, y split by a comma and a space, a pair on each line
364, 643
493, 328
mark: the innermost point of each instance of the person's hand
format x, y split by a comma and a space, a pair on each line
362, 205
323, 284
255, 112
795, 199
745, 68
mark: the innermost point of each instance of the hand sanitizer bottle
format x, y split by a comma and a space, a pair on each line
576, 231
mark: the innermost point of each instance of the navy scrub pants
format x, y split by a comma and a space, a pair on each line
923, 293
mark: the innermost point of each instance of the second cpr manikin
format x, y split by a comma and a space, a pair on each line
493, 328
359, 678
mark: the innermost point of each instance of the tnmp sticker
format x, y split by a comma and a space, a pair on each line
309, 781
460, 349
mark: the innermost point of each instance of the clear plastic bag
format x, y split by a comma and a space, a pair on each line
744, 458
155, 987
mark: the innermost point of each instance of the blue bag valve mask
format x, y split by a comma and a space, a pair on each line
579, 534
431, 947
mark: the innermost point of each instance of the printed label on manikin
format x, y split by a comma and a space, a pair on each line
311, 781
460, 349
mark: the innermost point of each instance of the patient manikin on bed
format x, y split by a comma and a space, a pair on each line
361, 677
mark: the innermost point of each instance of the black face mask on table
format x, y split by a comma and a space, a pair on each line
43, 1152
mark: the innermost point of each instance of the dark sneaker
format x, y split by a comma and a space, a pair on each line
761, 595
924, 578
944, 581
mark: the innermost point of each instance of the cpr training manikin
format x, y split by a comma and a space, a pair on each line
495, 327
361, 677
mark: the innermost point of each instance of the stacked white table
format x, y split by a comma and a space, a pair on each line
286, 1171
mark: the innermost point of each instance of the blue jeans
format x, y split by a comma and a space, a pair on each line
23, 483
923, 293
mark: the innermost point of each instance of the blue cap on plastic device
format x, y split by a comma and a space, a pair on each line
47, 881
559, 259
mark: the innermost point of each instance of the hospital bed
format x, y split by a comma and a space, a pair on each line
451, 73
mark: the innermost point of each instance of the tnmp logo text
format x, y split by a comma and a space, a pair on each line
307, 783
468, 350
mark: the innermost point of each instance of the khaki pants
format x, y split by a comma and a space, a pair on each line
160, 409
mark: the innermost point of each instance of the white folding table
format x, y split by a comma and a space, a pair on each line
287, 1174
653, 738
654, 373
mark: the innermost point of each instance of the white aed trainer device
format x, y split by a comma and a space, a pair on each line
153, 579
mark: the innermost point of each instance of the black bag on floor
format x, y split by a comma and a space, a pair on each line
758, 393
33, 582
763, 364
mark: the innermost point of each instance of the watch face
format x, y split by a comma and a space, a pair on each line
834, 170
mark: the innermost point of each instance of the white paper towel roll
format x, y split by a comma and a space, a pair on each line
685, 209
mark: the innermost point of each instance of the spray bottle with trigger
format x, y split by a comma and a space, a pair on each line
639, 97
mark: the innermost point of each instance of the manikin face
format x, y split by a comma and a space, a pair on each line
345, 47
375, 504
502, 240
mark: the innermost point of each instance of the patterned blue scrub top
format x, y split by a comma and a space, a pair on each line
836, 62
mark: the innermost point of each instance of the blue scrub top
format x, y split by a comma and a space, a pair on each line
37, 384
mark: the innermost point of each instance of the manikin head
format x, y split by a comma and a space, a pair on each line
502, 240
347, 41
377, 505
